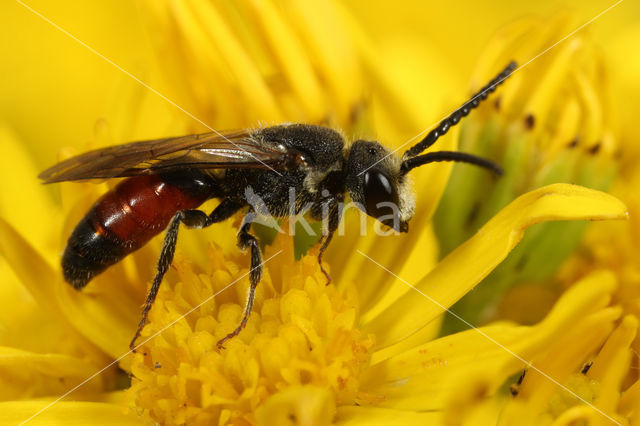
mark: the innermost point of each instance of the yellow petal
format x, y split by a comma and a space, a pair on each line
373, 416
618, 342
379, 290
586, 301
466, 266
425, 377
562, 356
109, 326
298, 405
33, 317
574, 416
465, 400
611, 366
204, 20
565, 355
27, 374
321, 30
23, 200
66, 413
292, 57
487, 413
415, 257
630, 401
34, 272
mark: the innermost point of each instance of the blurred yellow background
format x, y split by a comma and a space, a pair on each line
53, 90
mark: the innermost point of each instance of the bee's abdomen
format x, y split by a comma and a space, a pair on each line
125, 219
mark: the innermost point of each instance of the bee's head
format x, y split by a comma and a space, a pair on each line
377, 185
377, 180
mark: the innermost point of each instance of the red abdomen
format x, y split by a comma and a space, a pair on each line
139, 208
126, 218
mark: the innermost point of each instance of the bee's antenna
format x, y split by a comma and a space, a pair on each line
460, 157
455, 117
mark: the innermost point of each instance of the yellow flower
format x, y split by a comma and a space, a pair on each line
605, 372
362, 351
597, 363
551, 125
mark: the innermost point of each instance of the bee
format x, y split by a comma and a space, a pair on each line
168, 179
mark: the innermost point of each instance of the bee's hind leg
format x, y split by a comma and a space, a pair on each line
192, 219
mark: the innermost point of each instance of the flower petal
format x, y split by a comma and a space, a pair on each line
630, 400
27, 374
618, 343
304, 405
109, 326
66, 413
23, 201
564, 355
424, 377
449, 281
372, 416
292, 56
379, 289
427, 376
333, 52
611, 366
33, 271
203, 26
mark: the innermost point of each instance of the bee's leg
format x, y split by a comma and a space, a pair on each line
334, 221
192, 219
247, 240
198, 219
325, 243
166, 256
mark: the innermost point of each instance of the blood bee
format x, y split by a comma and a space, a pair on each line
168, 179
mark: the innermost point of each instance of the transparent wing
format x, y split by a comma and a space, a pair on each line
203, 151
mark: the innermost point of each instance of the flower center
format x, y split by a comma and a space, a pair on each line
301, 352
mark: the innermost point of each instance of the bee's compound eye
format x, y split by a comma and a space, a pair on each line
377, 189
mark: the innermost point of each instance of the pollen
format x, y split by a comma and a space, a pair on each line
301, 339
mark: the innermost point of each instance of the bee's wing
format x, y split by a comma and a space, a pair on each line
204, 151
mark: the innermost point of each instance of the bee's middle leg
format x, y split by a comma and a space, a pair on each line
247, 240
